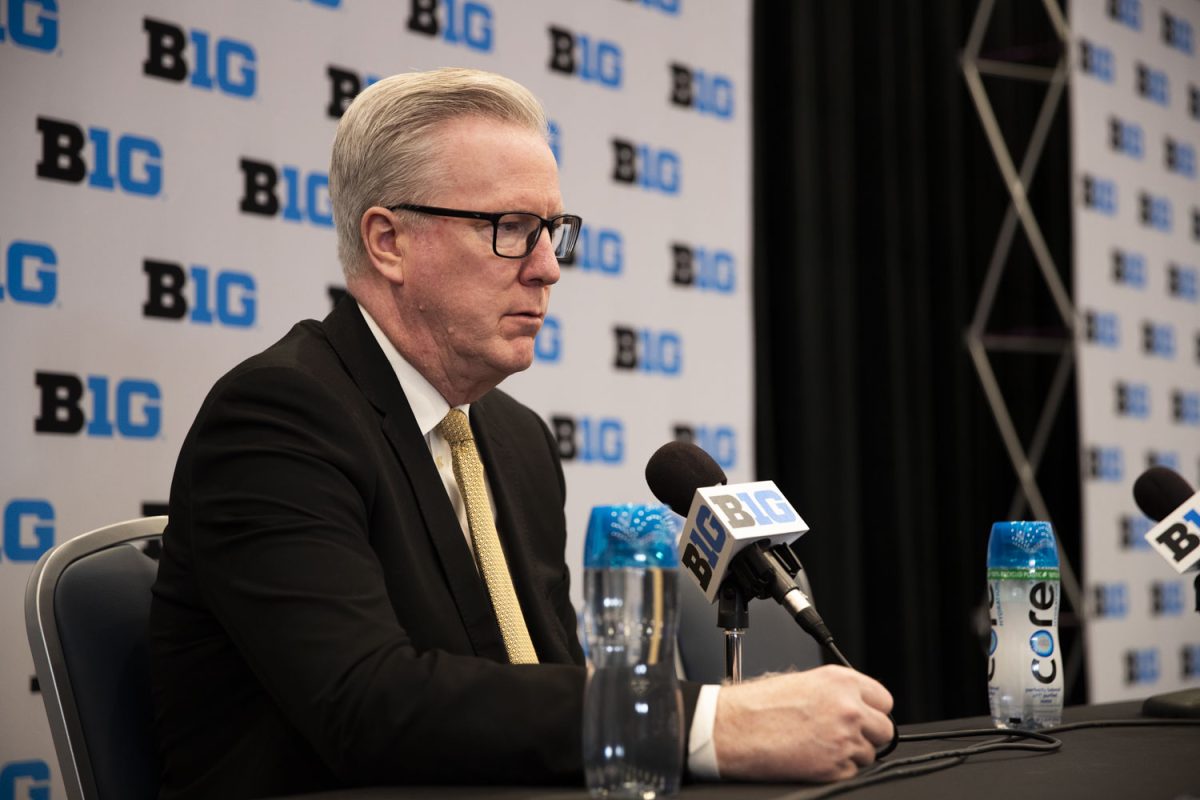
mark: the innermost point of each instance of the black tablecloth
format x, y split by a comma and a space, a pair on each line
1145, 763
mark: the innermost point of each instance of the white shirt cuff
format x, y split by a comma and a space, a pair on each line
702, 752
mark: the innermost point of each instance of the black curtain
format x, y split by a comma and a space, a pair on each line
877, 204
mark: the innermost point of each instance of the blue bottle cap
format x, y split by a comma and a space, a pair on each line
1022, 545
632, 535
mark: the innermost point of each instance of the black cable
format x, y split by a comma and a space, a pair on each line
1122, 723
928, 763
913, 766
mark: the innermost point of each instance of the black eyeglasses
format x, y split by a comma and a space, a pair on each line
515, 233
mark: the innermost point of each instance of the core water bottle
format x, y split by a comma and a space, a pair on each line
633, 710
1025, 663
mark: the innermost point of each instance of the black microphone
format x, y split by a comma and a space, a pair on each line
1164, 496
1158, 491
762, 566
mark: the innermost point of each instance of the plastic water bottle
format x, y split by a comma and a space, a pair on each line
1025, 664
633, 710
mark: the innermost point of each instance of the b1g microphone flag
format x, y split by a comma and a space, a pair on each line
1163, 495
724, 520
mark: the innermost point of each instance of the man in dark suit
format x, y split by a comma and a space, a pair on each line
341, 600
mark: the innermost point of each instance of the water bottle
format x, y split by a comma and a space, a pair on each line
1025, 664
633, 710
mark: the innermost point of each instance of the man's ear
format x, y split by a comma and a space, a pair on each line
385, 243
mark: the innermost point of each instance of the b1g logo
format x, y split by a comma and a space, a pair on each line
1185, 407
646, 350
137, 404
216, 62
1110, 600
28, 530
1158, 339
1102, 328
1129, 269
593, 60
1166, 599
707, 538
1100, 194
665, 6
25, 780
1126, 137
30, 274
1179, 157
599, 250
335, 294
1133, 400
1189, 660
1141, 666
223, 296
1126, 12
1105, 463
1152, 84
655, 169
344, 86
1177, 33
305, 194
719, 441
1096, 60
547, 345
554, 135
1162, 458
1178, 536
458, 22
32, 24
138, 159
589, 440
1154, 212
707, 93
704, 269
1183, 282
1133, 532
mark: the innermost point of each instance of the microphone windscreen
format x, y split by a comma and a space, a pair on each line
1158, 491
677, 470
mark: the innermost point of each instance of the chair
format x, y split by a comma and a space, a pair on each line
87, 607
772, 643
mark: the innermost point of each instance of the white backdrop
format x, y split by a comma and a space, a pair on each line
1135, 112
125, 133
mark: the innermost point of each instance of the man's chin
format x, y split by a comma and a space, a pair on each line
518, 359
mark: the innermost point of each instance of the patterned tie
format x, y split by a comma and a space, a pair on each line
468, 472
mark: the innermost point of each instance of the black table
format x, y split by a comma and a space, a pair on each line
1145, 763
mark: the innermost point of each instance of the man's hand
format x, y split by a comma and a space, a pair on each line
818, 725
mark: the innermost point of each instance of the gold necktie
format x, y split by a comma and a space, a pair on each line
468, 473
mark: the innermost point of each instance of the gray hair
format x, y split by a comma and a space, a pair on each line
385, 149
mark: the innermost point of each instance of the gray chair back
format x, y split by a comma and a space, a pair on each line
87, 609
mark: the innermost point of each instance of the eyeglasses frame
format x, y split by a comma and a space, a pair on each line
494, 218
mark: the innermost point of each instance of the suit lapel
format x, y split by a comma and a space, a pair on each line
359, 352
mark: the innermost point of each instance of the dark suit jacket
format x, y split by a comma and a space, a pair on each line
318, 619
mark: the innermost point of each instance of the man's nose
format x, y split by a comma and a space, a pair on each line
541, 265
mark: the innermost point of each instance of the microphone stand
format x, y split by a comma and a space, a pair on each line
759, 572
733, 614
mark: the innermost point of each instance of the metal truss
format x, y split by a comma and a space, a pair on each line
1025, 457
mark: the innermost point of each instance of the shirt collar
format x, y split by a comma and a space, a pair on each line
428, 406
